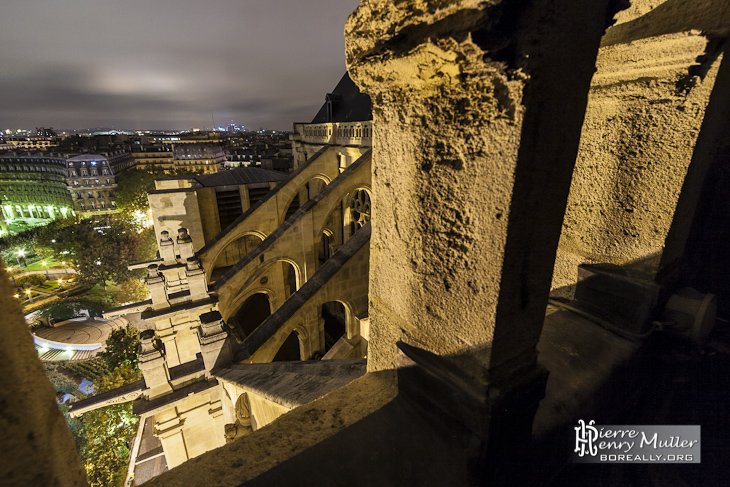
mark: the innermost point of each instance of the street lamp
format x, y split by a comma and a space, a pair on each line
21, 255
60, 282
45, 269
30, 297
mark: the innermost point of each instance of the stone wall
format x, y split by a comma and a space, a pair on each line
37, 447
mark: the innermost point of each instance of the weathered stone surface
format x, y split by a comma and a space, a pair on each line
644, 114
37, 448
477, 111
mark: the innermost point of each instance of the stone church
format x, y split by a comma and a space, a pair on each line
284, 286
538, 212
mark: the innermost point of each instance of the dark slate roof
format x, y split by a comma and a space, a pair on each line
350, 105
241, 175
292, 384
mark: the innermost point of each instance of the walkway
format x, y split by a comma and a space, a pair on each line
77, 332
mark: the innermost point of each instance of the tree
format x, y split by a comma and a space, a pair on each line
100, 248
133, 186
131, 290
121, 349
104, 434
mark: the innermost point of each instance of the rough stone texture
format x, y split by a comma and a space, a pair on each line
477, 111
645, 109
293, 384
37, 448
258, 452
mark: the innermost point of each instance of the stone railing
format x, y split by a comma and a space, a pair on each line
338, 133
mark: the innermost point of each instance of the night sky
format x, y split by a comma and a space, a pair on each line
168, 64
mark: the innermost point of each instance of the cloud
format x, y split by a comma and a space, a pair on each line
169, 63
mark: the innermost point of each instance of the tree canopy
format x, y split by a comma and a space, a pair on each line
121, 348
133, 186
105, 434
100, 248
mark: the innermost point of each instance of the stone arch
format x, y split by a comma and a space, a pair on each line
314, 185
335, 322
290, 349
249, 287
326, 246
236, 250
340, 230
252, 312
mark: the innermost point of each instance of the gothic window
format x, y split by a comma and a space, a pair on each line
359, 210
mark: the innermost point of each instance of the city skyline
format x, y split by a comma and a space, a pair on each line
168, 65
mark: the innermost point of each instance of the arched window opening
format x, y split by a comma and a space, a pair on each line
359, 210
334, 317
293, 207
234, 252
325, 248
290, 279
289, 350
315, 186
253, 312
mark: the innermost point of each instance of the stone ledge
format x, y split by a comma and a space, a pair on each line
258, 452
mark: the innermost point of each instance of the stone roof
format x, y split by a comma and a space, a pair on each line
292, 384
241, 175
349, 104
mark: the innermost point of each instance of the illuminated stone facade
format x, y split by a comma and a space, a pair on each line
33, 185
255, 267
198, 158
92, 184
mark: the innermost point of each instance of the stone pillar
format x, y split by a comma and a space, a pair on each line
184, 245
196, 279
214, 344
152, 365
636, 146
156, 286
167, 248
477, 118
477, 114
171, 436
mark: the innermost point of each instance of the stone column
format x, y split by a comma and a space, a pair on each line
196, 279
184, 245
157, 288
152, 365
171, 436
637, 142
214, 344
167, 248
477, 114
